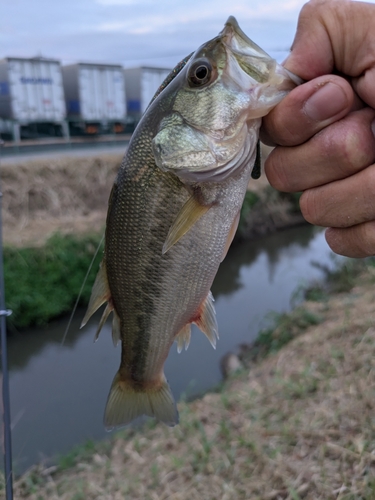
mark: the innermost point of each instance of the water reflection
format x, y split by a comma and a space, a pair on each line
58, 393
273, 247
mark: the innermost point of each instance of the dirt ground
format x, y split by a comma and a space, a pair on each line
55, 195
41, 197
299, 424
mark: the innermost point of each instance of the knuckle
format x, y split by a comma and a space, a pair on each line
348, 147
314, 8
355, 154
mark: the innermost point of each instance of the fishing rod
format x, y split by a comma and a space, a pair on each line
7, 432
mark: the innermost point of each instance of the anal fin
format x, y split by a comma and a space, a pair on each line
207, 320
183, 338
189, 214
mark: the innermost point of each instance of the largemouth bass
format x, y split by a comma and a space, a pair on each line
174, 209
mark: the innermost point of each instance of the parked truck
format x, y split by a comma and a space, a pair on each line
31, 98
95, 98
141, 84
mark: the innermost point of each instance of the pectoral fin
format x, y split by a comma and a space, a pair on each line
206, 321
189, 214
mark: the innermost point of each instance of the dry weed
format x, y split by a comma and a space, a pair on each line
298, 425
55, 195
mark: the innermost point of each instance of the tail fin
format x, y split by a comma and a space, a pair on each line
125, 403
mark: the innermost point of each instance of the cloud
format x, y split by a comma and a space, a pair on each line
127, 31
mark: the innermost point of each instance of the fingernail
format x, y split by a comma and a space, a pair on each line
326, 102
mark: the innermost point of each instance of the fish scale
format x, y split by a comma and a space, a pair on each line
174, 209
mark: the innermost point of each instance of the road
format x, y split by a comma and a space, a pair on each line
33, 150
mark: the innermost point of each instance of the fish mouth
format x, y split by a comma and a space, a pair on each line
238, 40
253, 60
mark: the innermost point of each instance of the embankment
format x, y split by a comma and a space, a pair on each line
65, 195
69, 196
296, 423
54, 215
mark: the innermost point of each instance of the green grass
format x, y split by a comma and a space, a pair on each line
79, 453
339, 280
287, 326
43, 283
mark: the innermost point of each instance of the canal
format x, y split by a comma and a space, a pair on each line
58, 392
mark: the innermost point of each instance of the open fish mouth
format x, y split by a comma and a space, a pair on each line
253, 60
239, 43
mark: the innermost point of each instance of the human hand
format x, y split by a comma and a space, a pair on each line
324, 129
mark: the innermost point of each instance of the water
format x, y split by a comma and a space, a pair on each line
58, 393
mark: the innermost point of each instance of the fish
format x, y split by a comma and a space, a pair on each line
174, 209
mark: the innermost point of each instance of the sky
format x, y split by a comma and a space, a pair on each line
138, 32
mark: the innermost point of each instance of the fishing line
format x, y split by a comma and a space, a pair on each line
7, 431
80, 292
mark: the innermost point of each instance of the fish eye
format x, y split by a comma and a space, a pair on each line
200, 73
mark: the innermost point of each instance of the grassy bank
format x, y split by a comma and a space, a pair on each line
42, 283
296, 423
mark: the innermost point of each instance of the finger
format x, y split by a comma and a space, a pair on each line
343, 203
356, 241
306, 110
333, 35
338, 151
364, 86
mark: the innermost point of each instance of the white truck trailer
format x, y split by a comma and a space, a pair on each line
141, 84
32, 97
95, 98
